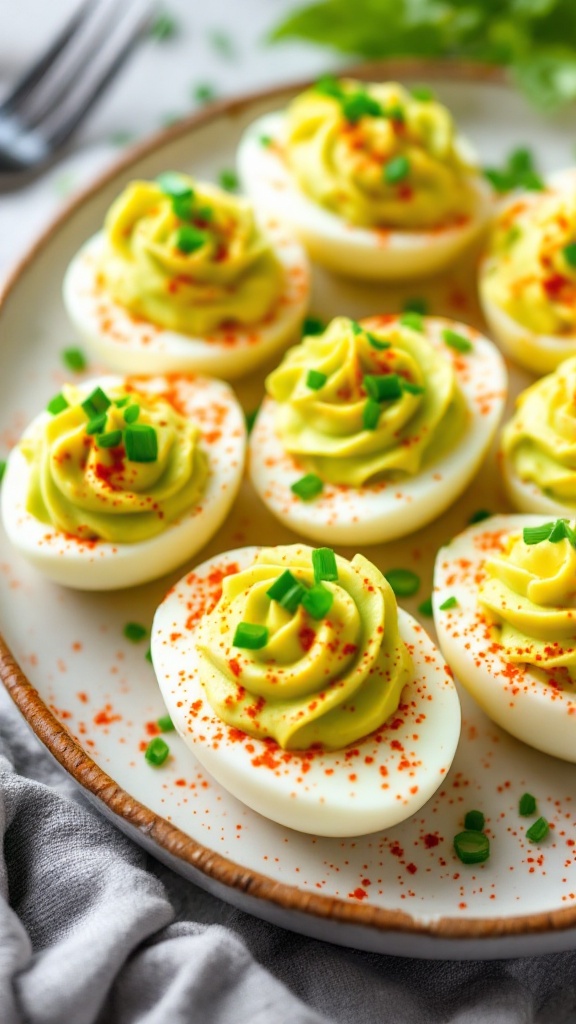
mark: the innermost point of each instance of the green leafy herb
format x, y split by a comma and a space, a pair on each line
329, 86
313, 325
519, 171
426, 608
135, 632
228, 179
404, 582
164, 27
74, 359
359, 104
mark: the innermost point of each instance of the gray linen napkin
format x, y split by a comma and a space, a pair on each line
92, 931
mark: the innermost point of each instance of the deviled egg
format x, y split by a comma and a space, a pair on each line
538, 446
374, 179
304, 691
528, 277
120, 480
183, 279
505, 613
372, 429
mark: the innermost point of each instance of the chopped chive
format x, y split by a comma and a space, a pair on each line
165, 723
121, 402
164, 27
456, 341
414, 320
250, 636
132, 413
74, 359
383, 387
109, 440
411, 388
204, 92
222, 42
135, 632
183, 206
404, 582
228, 179
188, 238
157, 751
307, 487
318, 601
324, 564
479, 516
174, 184
203, 213
97, 424
569, 254
148, 655
532, 182
329, 86
538, 830
293, 597
527, 805
561, 531
371, 414
360, 104
472, 847
394, 113
3, 465
474, 821
376, 342
537, 534
426, 608
396, 170
250, 418
313, 325
316, 380
450, 602
57, 404
265, 140
501, 181
512, 235
287, 591
423, 93
141, 443
96, 403
416, 305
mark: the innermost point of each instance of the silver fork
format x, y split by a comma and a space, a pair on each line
54, 96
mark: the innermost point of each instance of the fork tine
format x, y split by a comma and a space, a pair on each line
34, 74
103, 68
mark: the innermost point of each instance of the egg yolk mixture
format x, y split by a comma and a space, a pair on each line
530, 590
188, 257
119, 467
378, 156
532, 270
303, 647
540, 439
356, 405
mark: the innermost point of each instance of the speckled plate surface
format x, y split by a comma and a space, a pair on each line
91, 696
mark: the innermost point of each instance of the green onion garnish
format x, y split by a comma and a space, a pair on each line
396, 170
164, 27
371, 414
174, 184
134, 632
189, 239
479, 516
527, 805
423, 93
204, 92
157, 751
538, 830
109, 440
250, 636
412, 389
96, 403
148, 655
426, 608
472, 847
165, 724
395, 113
383, 387
329, 86
96, 424
131, 413
307, 487
456, 341
404, 582
318, 601
416, 305
2, 469
121, 402
562, 531
537, 534
450, 602
569, 254
183, 206
57, 404
360, 104
316, 380
74, 359
414, 320
313, 325
265, 140
474, 821
228, 179
376, 342
287, 591
324, 564
141, 443
250, 418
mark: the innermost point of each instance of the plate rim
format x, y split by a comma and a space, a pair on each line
69, 753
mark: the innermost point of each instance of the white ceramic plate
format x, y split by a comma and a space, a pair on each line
92, 698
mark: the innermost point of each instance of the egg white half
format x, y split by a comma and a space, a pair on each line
377, 254
128, 344
374, 784
526, 496
385, 510
101, 565
518, 697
